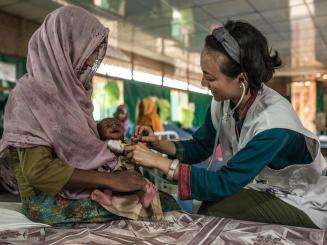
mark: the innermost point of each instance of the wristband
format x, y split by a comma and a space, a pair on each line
172, 169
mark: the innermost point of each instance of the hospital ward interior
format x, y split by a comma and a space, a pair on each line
163, 122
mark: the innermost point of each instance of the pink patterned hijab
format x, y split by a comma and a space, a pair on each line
51, 104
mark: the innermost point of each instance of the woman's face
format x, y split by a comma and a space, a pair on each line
122, 115
91, 59
88, 69
221, 86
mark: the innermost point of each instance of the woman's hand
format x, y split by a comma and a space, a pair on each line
126, 181
142, 155
145, 134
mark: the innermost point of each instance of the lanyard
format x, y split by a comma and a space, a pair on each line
224, 116
220, 118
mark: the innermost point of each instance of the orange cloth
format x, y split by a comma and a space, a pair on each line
148, 114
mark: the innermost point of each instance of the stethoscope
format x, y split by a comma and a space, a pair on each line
225, 116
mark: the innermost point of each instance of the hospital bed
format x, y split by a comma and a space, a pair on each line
176, 228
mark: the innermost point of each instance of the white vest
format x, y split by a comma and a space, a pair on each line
303, 186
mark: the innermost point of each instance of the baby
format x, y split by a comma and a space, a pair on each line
108, 128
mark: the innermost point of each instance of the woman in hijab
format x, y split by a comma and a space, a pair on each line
148, 115
49, 130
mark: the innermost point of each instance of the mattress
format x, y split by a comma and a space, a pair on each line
176, 228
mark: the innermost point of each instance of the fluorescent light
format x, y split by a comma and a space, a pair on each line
139, 76
306, 109
172, 83
307, 83
115, 71
197, 89
146, 77
97, 3
176, 14
299, 84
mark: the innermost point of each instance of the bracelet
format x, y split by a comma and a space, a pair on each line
172, 169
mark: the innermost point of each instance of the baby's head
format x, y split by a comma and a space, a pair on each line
110, 128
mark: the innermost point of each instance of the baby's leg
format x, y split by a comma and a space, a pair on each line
147, 195
102, 197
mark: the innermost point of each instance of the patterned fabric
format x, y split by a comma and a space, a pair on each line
184, 182
176, 228
62, 212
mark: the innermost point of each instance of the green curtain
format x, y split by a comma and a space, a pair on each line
20, 71
136, 91
202, 103
20, 64
320, 97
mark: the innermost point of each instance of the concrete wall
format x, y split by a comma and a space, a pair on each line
15, 33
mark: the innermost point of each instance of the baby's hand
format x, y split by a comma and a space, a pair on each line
116, 146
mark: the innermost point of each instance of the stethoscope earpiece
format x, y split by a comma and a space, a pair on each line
231, 112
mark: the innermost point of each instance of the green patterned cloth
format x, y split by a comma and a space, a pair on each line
62, 212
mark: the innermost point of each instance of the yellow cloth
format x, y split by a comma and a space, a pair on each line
36, 169
148, 114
